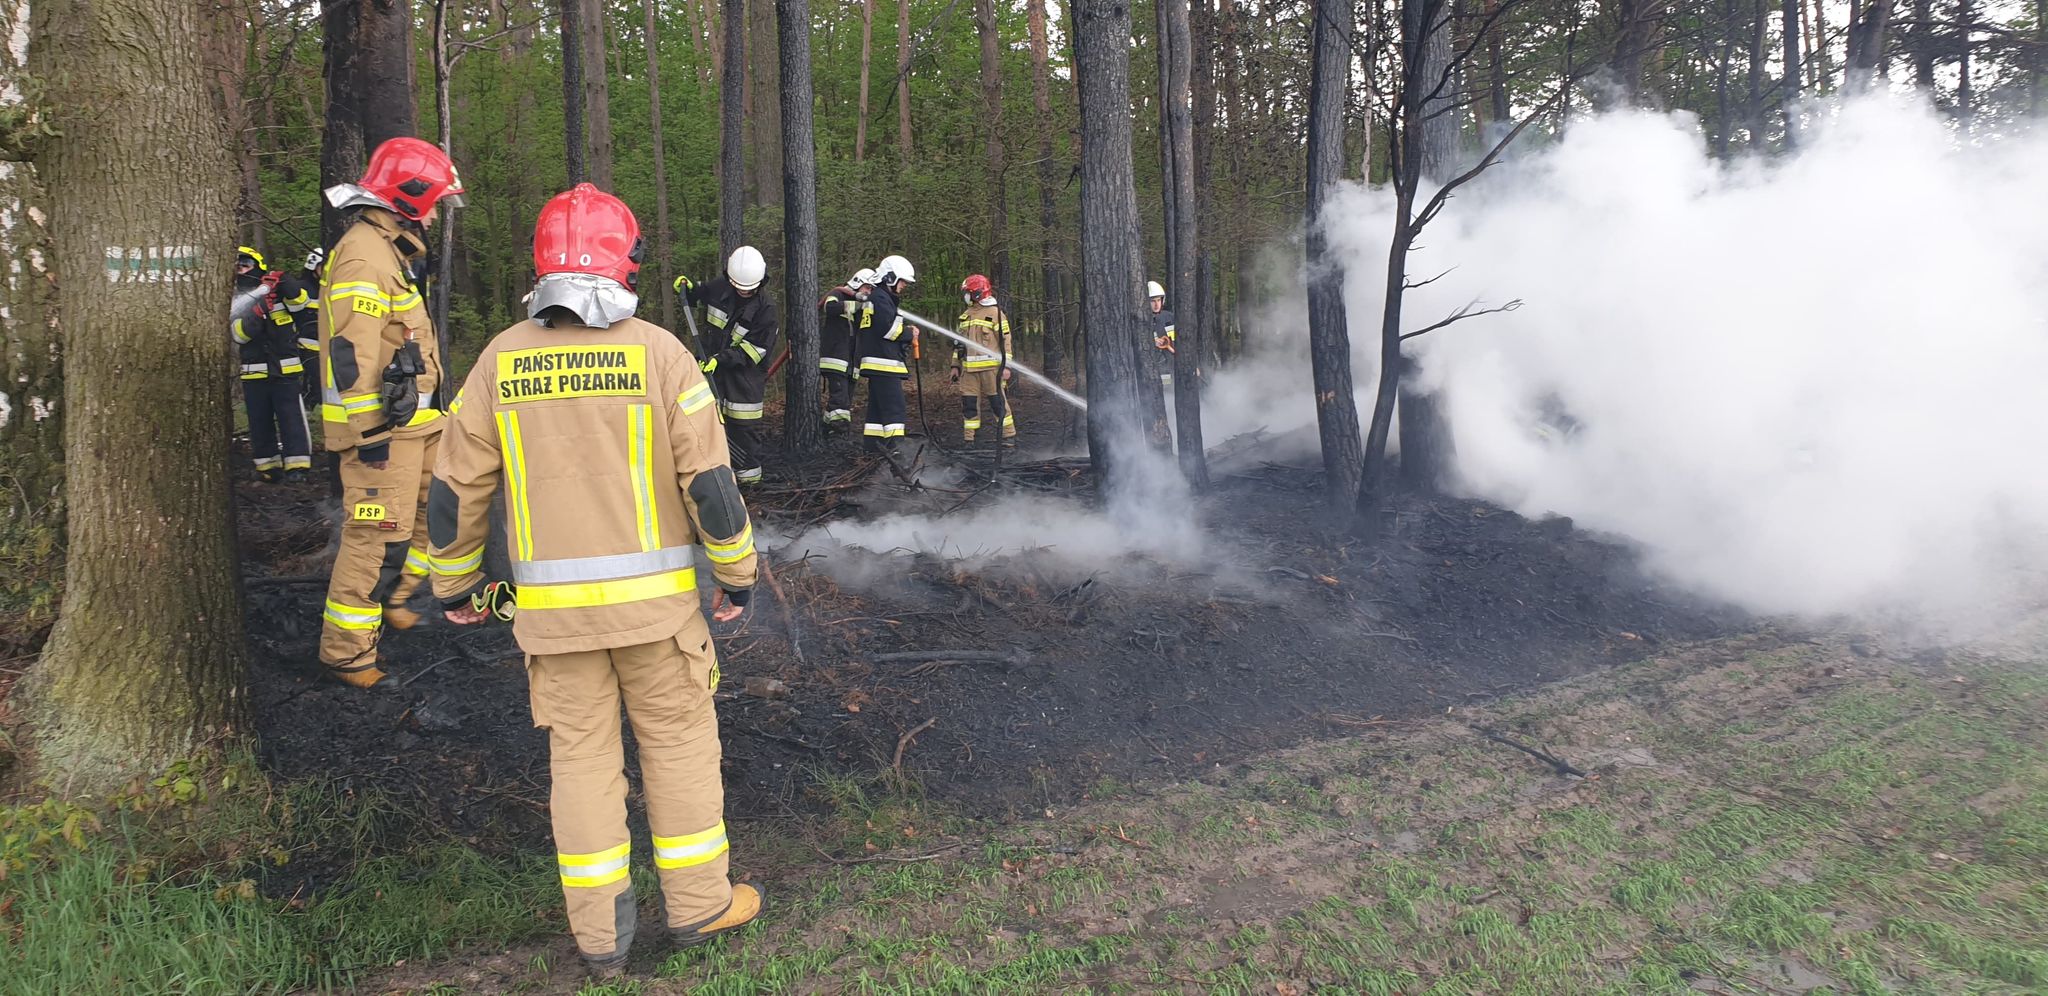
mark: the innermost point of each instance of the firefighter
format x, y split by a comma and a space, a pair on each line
266, 320
309, 335
614, 463
1162, 332
379, 413
744, 322
835, 354
884, 349
987, 370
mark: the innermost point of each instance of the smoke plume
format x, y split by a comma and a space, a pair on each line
1809, 385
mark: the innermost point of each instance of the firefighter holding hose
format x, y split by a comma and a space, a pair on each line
884, 346
742, 337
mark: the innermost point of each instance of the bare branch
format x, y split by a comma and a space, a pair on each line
1461, 314
1425, 283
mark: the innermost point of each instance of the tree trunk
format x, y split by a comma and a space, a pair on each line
1329, 334
658, 259
1112, 280
1966, 97
1789, 94
992, 125
764, 117
867, 58
1426, 446
1630, 42
1188, 302
802, 429
1926, 38
2040, 82
368, 47
444, 116
146, 665
31, 371
903, 81
1204, 28
1868, 22
571, 14
229, 55
597, 92
732, 179
699, 31
1722, 125
1050, 315
1758, 55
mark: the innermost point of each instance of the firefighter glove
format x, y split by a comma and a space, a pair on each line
710, 365
401, 386
740, 597
497, 599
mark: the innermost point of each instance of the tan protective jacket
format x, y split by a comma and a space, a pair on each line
614, 464
369, 307
989, 328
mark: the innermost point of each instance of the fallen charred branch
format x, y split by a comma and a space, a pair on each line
1557, 764
903, 743
962, 656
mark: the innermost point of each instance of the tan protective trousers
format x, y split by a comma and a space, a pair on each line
383, 556
667, 690
978, 384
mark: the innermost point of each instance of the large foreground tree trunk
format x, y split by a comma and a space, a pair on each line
732, 180
368, 46
146, 665
1189, 303
1329, 336
570, 15
1112, 282
992, 126
802, 429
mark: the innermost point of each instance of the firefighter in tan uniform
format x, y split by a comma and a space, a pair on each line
379, 375
606, 439
984, 372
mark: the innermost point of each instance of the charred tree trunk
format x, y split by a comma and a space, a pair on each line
1789, 87
146, 665
1408, 167
571, 14
732, 179
1426, 446
1329, 333
660, 258
1180, 133
597, 92
1631, 40
802, 430
1722, 125
1050, 315
903, 81
867, 58
443, 115
992, 122
1868, 22
1204, 28
1112, 282
764, 114
368, 47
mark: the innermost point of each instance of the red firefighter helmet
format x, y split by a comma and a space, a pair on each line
412, 176
976, 287
586, 230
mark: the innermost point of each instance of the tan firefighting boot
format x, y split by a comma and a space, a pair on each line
748, 900
368, 677
400, 617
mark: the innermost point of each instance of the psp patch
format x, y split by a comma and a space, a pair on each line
366, 512
551, 373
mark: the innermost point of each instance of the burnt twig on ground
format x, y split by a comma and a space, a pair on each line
796, 636
423, 672
980, 656
903, 743
779, 738
1557, 764
888, 858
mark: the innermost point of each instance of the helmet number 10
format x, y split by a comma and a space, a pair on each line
563, 258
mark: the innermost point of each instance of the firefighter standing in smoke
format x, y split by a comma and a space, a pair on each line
839, 310
1162, 332
380, 370
986, 374
614, 464
271, 314
885, 354
744, 329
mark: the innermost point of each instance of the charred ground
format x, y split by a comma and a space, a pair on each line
1040, 681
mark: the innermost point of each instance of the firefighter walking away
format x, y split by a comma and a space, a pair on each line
380, 372
985, 372
884, 350
603, 431
839, 311
269, 316
741, 339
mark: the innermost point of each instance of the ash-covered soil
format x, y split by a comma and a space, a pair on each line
1040, 672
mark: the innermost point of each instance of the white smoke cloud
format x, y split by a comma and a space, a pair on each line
1811, 385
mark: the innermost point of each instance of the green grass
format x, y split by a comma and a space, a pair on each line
159, 895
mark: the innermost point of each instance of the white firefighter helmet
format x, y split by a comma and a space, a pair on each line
862, 277
1152, 289
894, 268
746, 268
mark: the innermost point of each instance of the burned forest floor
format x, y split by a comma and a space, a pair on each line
976, 624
